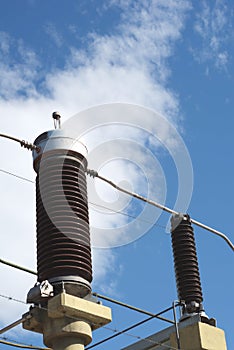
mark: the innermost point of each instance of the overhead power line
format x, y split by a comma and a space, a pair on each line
14, 324
19, 177
131, 307
126, 214
120, 303
12, 299
116, 331
94, 173
23, 143
8, 263
14, 344
124, 331
95, 204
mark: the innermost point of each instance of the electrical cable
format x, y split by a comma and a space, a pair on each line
12, 299
128, 215
110, 300
147, 340
97, 205
30, 146
152, 316
131, 307
23, 143
19, 177
8, 263
9, 342
14, 324
94, 173
117, 302
130, 328
117, 332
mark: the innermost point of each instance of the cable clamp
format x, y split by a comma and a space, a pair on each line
92, 173
29, 146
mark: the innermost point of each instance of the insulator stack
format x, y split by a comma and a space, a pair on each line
63, 238
186, 264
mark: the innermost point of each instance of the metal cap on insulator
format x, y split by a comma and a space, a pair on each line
186, 265
58, 140
63, 238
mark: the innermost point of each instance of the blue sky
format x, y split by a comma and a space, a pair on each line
173, 57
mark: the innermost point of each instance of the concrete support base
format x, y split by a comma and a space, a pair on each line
194, 335
200, 336
68, 321
64, 333
68, 344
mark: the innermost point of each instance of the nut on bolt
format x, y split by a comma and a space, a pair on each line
56, 115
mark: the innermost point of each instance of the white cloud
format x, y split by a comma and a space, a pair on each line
4, 43
19, 68
106, 263
214, 26
54, 34
144, 38
128, 66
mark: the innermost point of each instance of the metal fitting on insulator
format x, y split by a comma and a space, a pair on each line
92, 173
186, 265
29, 146
57, 120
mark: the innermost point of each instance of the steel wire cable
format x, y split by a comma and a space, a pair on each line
195, 222
116, 331
153, 315
94, 173
18, 267
130, 307
17, 176
12, 299
23, 143
124, 331
16, 344
14, 324
95, 204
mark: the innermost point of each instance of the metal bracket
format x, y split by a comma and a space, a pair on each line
39, 292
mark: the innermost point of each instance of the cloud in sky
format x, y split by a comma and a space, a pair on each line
19, 68
53, 33
214, 27
129, 65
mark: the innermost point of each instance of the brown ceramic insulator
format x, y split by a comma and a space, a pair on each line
185, 263
63, 238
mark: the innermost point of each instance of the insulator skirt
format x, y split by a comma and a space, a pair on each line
185, 263
63, 238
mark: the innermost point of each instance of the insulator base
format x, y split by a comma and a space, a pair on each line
72, 285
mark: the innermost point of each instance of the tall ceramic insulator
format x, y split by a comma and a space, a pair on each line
63, 238
186, 264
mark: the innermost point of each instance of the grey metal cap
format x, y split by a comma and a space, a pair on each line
58, 139
176, 220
